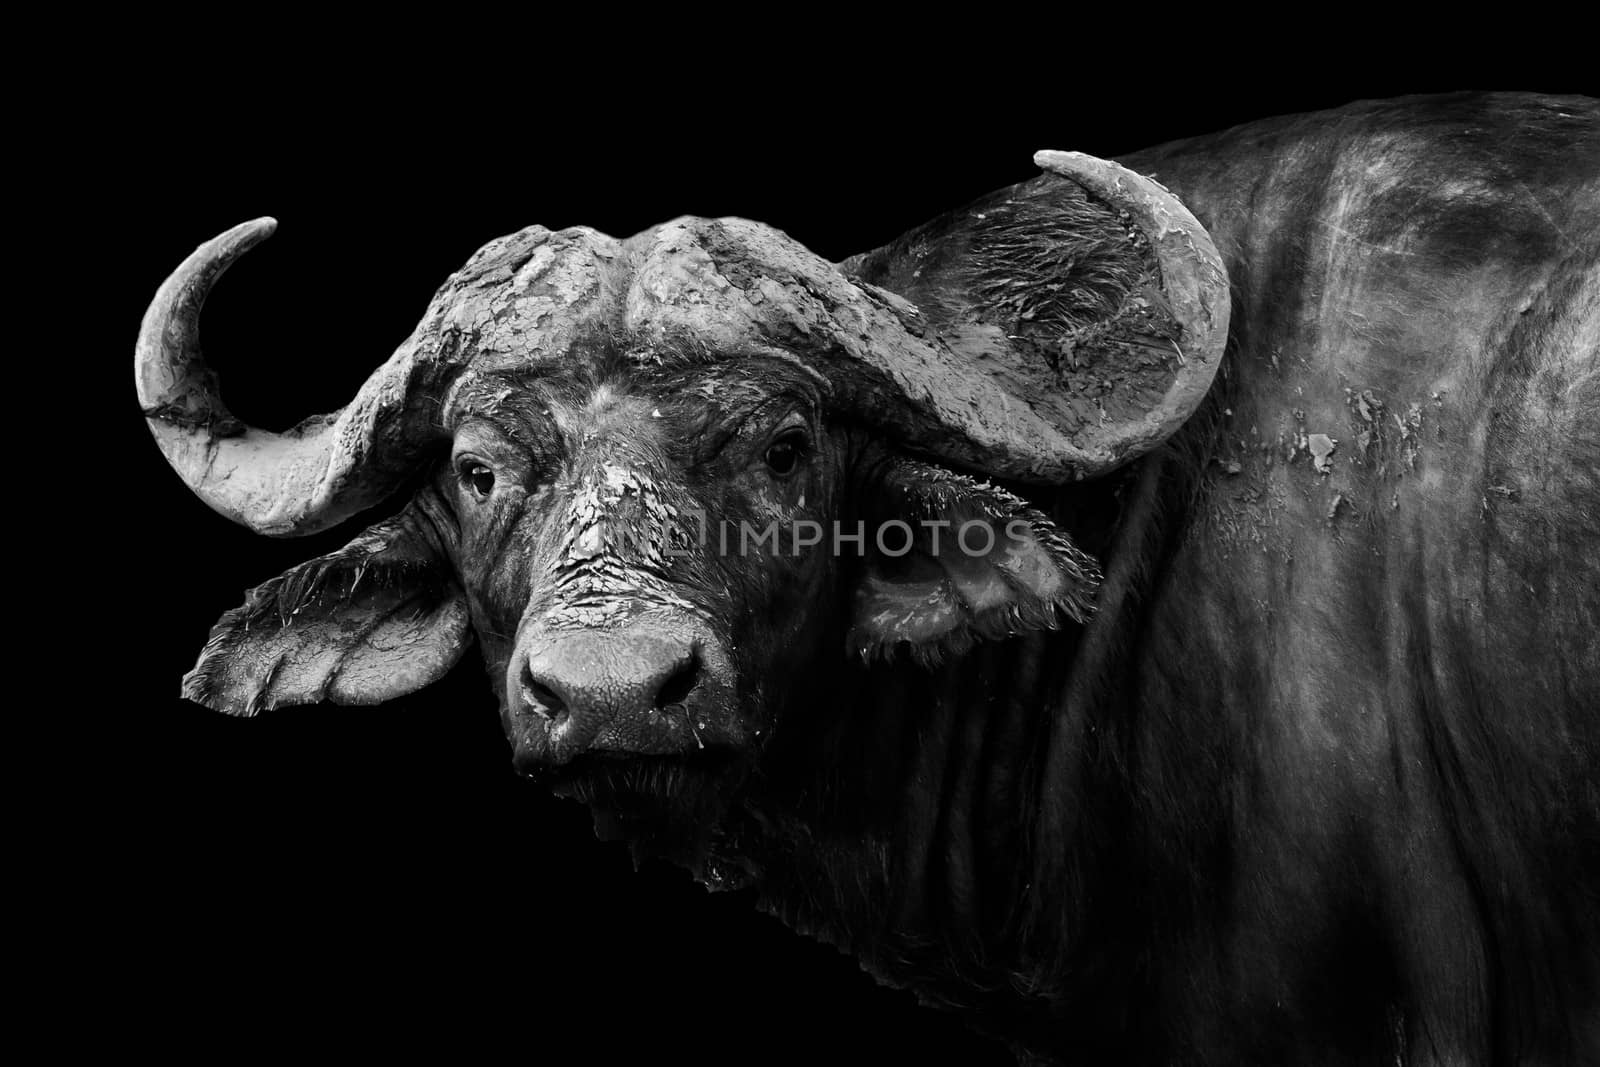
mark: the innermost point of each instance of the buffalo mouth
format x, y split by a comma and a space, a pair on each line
662, 805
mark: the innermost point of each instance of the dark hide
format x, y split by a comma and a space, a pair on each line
1316, 782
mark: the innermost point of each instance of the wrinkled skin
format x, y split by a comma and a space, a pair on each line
1317, 782
600, 515
626, 541
673, 446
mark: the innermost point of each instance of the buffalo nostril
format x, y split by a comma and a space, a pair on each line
541, 697
679, 684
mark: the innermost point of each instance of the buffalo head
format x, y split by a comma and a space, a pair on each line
675, 485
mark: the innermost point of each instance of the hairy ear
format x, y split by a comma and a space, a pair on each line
952, 560
380, 618
1061, 327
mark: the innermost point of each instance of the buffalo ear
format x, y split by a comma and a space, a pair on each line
380, 618
952, 560
1061, 327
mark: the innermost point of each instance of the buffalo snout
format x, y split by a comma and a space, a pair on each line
650, 688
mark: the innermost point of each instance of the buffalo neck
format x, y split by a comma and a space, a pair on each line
940, 828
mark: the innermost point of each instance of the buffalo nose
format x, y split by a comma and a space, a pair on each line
591, 684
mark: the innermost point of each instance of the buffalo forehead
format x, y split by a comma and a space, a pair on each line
727, 286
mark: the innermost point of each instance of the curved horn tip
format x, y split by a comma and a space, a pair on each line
246, 234
1051, 158
1080, 165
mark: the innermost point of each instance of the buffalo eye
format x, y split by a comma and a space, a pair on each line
477, 477
785, 454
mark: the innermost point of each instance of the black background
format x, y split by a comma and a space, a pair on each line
335, 878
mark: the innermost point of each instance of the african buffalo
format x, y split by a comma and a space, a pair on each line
1119, 610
